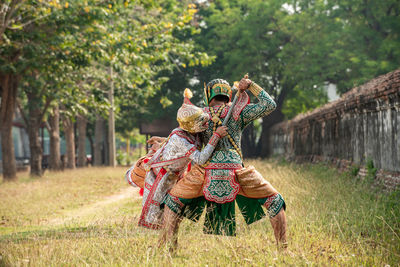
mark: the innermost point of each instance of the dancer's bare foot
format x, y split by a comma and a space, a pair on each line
284, 250
172, 247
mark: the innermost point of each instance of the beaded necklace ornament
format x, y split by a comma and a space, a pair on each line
217, 121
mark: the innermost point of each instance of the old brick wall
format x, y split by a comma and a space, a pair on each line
363, 124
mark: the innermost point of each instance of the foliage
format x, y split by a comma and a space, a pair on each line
354, 171
125, 159
164, 44
296, 47
301, 101
342, 42
371, 170
72, 51
128, 156
171, 91
257, 28
228, 22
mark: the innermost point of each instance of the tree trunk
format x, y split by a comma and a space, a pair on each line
249, 142
99, 141
263, 148
33, 133
70, 142
112, 160
275, 117
54, 132
9, 87
128, 151
35, 147
91, 148
82, 123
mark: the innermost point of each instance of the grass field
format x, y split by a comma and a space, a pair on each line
89, 217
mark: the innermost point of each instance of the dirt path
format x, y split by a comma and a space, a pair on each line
94, 208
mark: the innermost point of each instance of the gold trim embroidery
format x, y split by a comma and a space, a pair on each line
255, 89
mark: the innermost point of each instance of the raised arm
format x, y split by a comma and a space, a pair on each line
264, 106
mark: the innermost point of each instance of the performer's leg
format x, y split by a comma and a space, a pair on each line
169, 234
279, 225
253, 185
182, 194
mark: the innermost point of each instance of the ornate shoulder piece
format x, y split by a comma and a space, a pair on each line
184, 134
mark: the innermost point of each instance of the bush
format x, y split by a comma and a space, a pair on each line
124, 159
371, 170
354, 170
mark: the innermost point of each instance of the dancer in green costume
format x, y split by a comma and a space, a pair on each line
223, 179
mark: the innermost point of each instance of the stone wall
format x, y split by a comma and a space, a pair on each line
364, 124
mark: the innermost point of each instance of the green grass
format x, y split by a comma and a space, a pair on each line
89, 217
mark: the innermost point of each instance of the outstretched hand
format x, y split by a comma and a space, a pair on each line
244, 83
222, 131
155, 139
156, 142
155, 146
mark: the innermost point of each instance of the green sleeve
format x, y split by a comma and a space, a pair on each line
264, 106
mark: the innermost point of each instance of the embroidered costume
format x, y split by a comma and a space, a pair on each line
166, 167
223, 179
168, 164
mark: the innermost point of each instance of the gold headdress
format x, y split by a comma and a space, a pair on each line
191, 118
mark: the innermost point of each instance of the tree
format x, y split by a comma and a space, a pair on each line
254, 27
69, 134
86, 39
49, 74
81, 124
29, 29
294, 48
16, 19
98, 139
53, 127
166, 56
9, 85
341, 42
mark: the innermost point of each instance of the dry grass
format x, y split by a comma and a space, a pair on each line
33, 202
70, 219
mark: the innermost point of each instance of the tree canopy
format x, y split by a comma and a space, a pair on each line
295, 49
70, 53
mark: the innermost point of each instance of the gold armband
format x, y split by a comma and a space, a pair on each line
255, 88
